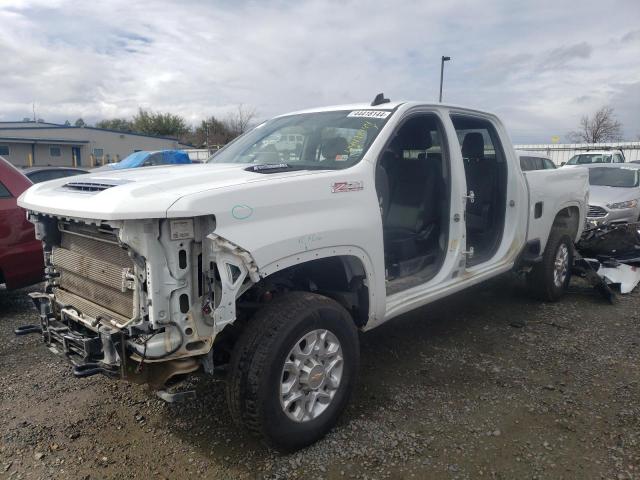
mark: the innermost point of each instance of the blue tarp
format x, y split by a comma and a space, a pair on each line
168, 157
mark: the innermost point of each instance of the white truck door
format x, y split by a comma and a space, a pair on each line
495, 191
414, 169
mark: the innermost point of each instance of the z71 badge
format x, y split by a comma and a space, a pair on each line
341, 187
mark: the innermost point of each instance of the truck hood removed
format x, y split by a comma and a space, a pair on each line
136, 193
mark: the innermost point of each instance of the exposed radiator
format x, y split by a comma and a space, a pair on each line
94, 273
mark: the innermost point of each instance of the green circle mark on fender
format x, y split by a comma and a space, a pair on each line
241, 212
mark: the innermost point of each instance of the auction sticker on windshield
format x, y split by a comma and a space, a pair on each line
370, 113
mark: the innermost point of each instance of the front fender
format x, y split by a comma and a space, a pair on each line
291, 220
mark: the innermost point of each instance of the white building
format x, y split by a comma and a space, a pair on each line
40, 143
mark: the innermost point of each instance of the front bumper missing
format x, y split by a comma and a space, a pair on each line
103, 350
90, 352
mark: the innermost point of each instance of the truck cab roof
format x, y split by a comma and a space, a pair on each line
388, 106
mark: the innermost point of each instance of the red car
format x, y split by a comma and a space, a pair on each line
21, 259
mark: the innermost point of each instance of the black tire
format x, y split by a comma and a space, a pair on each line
541, 278
255, 374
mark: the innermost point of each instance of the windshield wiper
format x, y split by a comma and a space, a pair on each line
269, 168
281, 167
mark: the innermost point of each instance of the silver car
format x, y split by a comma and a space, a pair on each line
614, 194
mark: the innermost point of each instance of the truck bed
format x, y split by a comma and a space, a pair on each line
551, 191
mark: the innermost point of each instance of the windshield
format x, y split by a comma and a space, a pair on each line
613, 177
589, 158
320, 140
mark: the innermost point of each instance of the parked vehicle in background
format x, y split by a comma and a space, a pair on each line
43, 174
21, 261
614, 194
531, 161
149, 159
267, 270
596, 156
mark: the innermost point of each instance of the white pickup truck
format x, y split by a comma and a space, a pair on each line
266, 261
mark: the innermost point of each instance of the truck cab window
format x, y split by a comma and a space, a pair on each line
412, 182
486, 175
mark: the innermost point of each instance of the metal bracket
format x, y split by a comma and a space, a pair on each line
235, 266
177, 396
27, 329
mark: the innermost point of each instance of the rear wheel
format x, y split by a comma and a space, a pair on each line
293, 370
549, 279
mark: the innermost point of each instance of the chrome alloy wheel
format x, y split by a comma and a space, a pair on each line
561, 265
311, 375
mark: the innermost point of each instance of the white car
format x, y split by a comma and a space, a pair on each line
269, 268
614, 194
595, 157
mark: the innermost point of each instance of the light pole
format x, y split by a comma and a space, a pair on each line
444, 59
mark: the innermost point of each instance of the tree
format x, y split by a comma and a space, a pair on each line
239, 121
80, 123
119, 124
602, 127
67, 123
161, 124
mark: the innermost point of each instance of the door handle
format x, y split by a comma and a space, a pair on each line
471, 197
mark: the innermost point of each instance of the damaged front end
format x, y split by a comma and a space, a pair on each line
609, 254
142, 300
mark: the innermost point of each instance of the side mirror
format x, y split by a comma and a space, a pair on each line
563, 164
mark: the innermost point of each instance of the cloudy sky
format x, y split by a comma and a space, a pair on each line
539, 64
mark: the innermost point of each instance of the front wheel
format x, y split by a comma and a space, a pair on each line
549, 279
293, 370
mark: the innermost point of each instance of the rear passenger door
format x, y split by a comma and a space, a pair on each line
496, 199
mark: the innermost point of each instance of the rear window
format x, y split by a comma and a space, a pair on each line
4, 192
531, 163
614, 177
45, 175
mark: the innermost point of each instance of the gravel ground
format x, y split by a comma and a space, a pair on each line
453, 390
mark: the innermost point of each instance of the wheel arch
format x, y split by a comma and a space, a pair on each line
344, 273
568, 219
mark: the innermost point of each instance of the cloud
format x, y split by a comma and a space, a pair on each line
528, 61
563, 56
632, 36
626, 102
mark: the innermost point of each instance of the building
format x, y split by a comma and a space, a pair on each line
562, 152
41, 143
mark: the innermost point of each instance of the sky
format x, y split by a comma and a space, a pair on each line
540, 64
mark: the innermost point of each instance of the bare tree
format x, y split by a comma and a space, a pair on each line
239, 121
602, 127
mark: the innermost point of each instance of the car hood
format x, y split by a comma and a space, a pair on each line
137, 193
602, 196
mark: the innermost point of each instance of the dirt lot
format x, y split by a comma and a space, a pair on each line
450, 391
